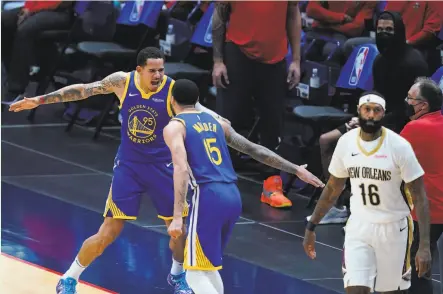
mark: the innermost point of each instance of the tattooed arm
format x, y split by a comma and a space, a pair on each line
114, 83
219, 21
174, 135
266, 156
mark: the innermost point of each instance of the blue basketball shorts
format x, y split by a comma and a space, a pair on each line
131, 180
215, 209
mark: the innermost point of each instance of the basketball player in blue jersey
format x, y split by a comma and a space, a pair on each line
199, 147
143, 161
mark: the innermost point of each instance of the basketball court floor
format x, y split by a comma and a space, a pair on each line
53, 191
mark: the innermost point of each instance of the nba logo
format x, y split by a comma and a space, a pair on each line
208, 34
137, 10
359, 63
440, 84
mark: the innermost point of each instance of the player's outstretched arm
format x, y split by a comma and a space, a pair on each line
111, 84
423, 258
266, 156
174, 135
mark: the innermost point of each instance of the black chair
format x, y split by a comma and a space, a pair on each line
86, 26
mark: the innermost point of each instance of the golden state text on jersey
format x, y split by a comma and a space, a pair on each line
144, 115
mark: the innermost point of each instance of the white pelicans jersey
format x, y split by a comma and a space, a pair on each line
378, 171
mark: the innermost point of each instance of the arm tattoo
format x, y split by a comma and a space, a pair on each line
82, 91
219, 20
259, 153
417, 190
180, 191
329, 195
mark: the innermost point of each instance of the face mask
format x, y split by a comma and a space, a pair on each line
384, 42
370, 126
410, 111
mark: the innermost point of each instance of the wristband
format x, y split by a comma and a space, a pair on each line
310, 226
41, 100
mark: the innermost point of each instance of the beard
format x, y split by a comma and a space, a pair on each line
370, 126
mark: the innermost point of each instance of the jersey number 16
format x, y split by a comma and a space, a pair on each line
213, 152
371, 194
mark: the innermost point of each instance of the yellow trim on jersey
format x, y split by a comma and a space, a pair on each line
143, 93
369, 153
203, 263
180, 120
125, 91
407, 263
185, 214
407, 196
168, 100
116, 212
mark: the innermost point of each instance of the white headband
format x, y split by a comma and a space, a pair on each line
372, 98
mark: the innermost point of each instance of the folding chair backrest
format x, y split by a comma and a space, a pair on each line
138, 12
98, 19
203, 32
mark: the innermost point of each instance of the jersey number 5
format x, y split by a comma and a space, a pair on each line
212, 151
372, 194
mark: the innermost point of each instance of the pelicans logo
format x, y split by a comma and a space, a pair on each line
141, 124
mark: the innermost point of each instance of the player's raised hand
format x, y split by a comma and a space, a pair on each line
308, 177
423, 261
26, 103
309, 244
175, 228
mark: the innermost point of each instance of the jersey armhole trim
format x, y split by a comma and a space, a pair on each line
125, 91
168, 100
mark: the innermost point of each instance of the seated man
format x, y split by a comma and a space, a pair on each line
422, 21
339, 20
338, 213
21, 27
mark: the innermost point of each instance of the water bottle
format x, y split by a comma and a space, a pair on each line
314, 82
170, 36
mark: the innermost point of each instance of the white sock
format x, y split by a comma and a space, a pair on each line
205, 282
75, 270
176, 268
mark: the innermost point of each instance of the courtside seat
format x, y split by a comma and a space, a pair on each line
106, 50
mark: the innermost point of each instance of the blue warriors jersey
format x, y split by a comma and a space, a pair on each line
206, 149
144, 115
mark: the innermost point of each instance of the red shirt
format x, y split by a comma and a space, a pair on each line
332, 17
259, 29
426, 137
35, 6
419, 17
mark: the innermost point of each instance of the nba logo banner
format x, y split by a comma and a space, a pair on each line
359, 64
203, 32
357, 72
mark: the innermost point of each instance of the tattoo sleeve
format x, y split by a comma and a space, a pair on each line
83, 91
259, 153
417, 190
328, 197
219, 21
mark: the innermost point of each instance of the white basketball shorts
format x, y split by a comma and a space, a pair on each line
377, 255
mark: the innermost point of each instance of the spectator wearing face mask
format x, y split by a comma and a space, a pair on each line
425, 134
422, 20
395, 68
